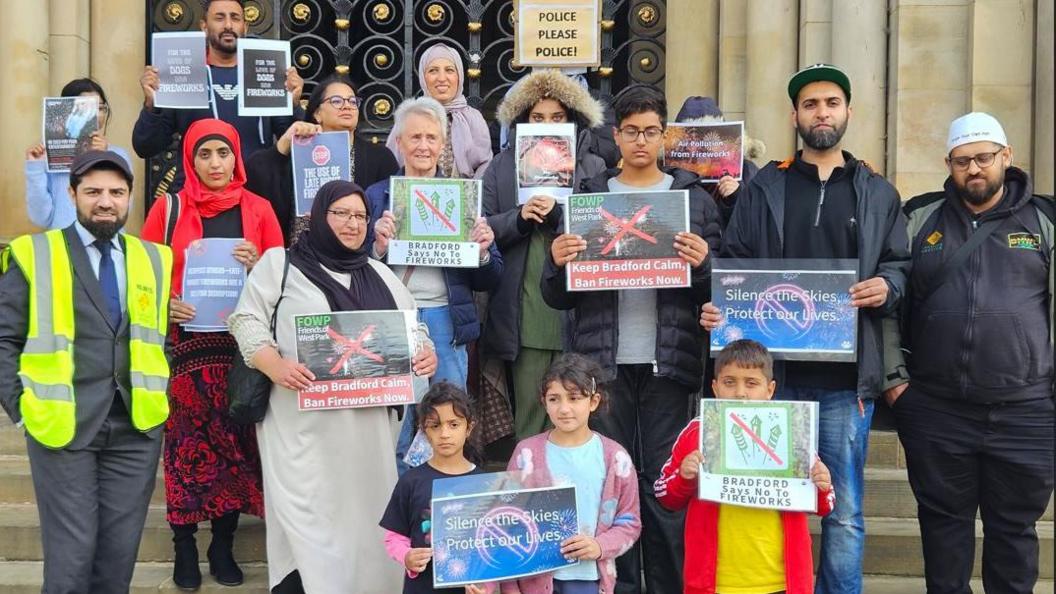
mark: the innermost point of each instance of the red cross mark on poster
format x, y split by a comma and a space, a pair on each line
436, 212
625, 227
350, 347
758, 440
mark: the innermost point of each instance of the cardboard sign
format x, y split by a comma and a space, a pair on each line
546, 160
262, 65
498, 534
359, 358
316, 160
712, 151
630, 240
799, 309
557, 33
434, 219
182, 71
69, 123
212, 283
758, 453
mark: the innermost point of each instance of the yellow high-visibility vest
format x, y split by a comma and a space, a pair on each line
48, 402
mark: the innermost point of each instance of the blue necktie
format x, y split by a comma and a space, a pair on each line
108, 282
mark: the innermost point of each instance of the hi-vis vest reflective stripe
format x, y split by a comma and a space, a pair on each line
48, 403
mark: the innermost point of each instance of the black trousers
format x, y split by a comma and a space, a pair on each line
964, 457
645, 414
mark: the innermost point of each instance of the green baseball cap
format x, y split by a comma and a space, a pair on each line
815, 73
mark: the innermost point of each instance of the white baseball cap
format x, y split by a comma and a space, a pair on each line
975, 127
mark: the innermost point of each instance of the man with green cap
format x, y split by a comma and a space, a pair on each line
822, 203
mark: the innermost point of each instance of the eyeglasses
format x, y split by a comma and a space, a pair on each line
631, 134
347, 215
983, 160
337, 101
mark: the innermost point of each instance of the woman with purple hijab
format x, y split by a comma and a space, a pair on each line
468, 150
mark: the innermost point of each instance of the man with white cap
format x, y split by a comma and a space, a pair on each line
972, 384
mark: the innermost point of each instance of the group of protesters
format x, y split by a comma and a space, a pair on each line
954, 334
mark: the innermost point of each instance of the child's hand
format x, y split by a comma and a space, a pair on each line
417, 560
691, 465
820, 475
581, 547
473, 589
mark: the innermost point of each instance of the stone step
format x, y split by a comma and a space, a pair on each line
16, 482
20, 527
892, 547
885, 451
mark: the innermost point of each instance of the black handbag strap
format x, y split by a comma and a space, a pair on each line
282, 292
959, 257
172, 215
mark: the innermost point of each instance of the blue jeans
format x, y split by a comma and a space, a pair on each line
843, 438
452, 365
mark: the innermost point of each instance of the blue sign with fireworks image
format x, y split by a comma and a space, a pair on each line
799, 309
490, 530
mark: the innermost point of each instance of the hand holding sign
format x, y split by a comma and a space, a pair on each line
537, 208
246, 254
581, 547
150, 81
727, 186
417, 560
710, 316
384, 230
690, 467
692, 248
482, 234
566, 247
294, 84
301, 130
820, 476
180, 311
869, 293
424, 363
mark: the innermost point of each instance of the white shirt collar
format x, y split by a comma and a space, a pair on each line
88, 239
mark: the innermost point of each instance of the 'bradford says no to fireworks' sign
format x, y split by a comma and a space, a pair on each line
488, 529
758, 453
800, 309
359, 358
630, 240
434, 219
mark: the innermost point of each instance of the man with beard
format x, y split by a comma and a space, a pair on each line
223, 24
974, 398
83, 316
824, 203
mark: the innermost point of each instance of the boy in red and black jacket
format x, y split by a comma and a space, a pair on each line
731, 548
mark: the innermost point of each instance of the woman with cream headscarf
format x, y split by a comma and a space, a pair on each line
468, 149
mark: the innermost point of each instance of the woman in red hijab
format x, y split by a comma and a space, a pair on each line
212, 466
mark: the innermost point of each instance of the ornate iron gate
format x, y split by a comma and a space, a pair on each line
378, 43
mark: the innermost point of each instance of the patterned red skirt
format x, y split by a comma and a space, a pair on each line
212, 465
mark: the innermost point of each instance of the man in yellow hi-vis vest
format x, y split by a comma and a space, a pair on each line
83, 315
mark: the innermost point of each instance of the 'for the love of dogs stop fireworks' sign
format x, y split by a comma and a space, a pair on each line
800, 309
630, 240
359, 358
486, 528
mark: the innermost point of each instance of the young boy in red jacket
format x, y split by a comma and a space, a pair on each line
732, 549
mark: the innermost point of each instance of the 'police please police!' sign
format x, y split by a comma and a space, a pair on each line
558, 33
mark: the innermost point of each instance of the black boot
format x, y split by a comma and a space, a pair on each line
185, 572
221, 560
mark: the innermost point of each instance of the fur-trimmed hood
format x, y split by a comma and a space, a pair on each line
586, 111
753, 147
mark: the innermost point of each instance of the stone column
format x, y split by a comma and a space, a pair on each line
859, 47
815, 32
69, 39
1043, 100
24, 68
772, 58
733, 23
118, 58
693, 65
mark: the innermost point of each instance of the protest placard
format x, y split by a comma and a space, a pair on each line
488, 529
630, 240
183, 75
546, 160
712, 150
68, 125
262, 65
359, 358
557, 33
212, 282
434, 219
316, 160
799, 309
758, 453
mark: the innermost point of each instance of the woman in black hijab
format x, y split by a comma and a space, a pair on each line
326, 473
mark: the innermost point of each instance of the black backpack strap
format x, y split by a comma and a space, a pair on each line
282, 291
172, 215
960, 256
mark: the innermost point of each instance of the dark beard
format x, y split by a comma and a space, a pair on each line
216, 44
102, 230
822, 139
981, 197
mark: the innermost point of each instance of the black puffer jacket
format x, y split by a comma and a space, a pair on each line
679, 337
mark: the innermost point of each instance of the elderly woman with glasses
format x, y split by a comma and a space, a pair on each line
444, 295
332, 107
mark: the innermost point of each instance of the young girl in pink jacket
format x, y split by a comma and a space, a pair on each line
605, 479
